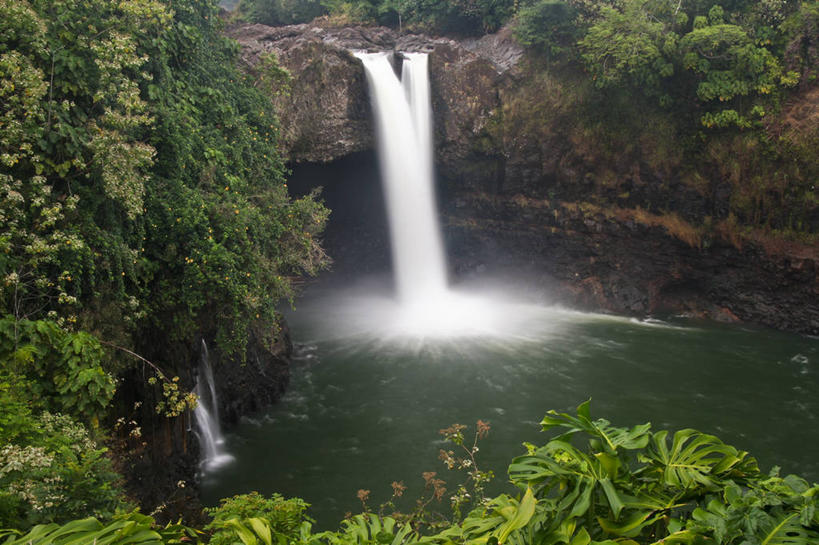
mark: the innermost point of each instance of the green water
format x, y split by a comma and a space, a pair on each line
364, 409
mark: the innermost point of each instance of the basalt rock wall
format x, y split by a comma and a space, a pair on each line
530, 180
159, 455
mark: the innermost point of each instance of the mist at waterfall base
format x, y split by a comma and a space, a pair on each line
423, 306
377, 373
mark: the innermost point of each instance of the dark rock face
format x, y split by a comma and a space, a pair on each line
325, 115
244, 388
526, 182
160, 464
593, 260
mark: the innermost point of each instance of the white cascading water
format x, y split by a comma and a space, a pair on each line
206, 415
426, 307
404, 136
403, 123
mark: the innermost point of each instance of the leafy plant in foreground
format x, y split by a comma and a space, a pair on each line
632, 486
592, 484
283, 517
55, 473
64, 369
131, 529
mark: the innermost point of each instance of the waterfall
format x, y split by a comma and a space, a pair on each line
426, 307
403, 123
206, 415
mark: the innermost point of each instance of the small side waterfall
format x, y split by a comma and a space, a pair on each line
206, 415
403, 120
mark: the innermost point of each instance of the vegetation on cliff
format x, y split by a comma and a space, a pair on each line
717, 97
142, 203
704, 93
591, 484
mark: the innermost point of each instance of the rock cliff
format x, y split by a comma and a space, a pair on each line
161, 462
531, 177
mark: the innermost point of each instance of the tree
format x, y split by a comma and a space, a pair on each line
548, 25
729, 66
629, 46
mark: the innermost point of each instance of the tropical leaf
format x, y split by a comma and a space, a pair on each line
366, 529
558, 465
605, 437
630, 526
787, 530
565, 531
517, 517
681, 537
498, 524
695, 459
132, 529
259, 529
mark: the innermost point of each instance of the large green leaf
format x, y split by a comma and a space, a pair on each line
787, 530
609, 437
576, 476
366, 529
504, 517
132, 529
251, 530
518, 517
631, 526
695, 460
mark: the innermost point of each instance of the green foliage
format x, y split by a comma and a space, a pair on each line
223, 236
548, 25
75, 120
628, 46
138, 170
368, 11
370, 530
16, 422
64, 370
730, 65
54, 472
456, 16
282, 516
130, 529
50, 467
623, 486
281, 12
630, 484
802, 29
684, 53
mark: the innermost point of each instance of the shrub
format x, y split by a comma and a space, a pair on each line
285, 516
56, 475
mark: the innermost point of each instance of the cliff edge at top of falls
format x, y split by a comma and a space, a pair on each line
324, 110
622, 204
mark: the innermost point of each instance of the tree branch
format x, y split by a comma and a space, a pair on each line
134, 354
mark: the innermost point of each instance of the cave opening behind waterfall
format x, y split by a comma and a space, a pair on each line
357, 236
